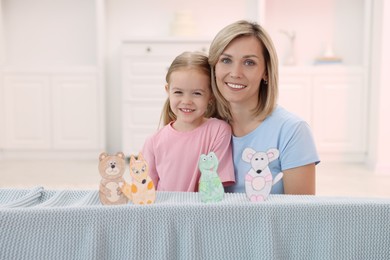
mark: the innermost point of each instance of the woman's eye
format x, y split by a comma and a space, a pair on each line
225, 60
249, 62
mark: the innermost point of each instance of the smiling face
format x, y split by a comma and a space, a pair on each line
239, 71
189, 94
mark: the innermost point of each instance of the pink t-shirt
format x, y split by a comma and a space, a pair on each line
173, 156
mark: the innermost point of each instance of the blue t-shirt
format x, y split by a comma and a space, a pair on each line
284, 131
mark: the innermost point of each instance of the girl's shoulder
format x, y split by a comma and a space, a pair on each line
213, 122
160, 132
216, 121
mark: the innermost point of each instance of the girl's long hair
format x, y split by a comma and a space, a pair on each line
187, 60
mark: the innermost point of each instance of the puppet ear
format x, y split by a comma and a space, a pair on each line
120, 154
140, 157
132, 159
102, 156
272, 154
247, 154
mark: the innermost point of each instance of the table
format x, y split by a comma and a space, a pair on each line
72, 224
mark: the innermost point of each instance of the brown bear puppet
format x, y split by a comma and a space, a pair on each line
112, 168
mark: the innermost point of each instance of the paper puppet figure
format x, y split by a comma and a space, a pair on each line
111, 168
210, 185
142, 189
259, 180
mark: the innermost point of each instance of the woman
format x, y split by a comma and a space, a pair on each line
245, 83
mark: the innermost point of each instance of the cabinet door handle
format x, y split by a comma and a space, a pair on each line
148, 49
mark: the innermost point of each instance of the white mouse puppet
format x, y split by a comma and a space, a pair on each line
259, 180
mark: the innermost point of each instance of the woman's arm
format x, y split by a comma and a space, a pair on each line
300, 180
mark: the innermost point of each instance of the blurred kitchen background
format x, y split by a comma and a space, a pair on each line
78, 77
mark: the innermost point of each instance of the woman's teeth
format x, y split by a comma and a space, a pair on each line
236, 86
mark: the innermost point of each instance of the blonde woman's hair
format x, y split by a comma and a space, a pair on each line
187, 60
268, 93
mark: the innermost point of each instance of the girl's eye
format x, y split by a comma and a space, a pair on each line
177, 92
249, 62
197, 93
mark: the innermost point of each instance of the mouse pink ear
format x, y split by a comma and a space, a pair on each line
248, 154
270, 155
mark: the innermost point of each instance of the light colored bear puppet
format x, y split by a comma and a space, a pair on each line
112, 168
210, 185
259, 180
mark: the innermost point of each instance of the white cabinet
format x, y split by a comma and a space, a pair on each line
51, 79
295, 94
144, 67
333, 100
27, 111
75, 118
339, 109
50, 111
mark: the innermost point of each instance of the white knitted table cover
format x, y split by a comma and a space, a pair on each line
72, 224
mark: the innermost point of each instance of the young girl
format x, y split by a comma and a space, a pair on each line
189, 131
245, 83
